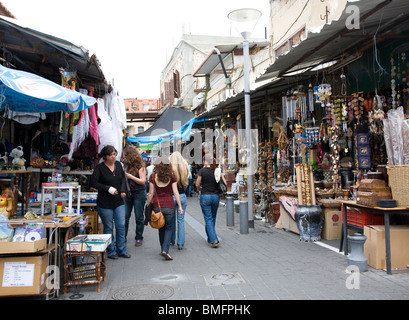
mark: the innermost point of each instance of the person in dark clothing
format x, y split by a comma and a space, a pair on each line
209, 198
109, 179
135, 172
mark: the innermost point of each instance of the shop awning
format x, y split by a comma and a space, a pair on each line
336, 42
26, 92
174, 123
212, 60
30, 50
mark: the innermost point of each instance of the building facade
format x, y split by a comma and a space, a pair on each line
141, 114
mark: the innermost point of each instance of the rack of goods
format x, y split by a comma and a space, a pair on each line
85, 259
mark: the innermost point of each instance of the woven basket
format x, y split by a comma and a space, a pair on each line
399, 183
289, 191
327, 203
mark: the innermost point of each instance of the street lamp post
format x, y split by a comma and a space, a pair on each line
245, 21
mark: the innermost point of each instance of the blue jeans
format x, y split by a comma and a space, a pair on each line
108, 217
189, 188
138, 204
209, 204
180, 218
165, 233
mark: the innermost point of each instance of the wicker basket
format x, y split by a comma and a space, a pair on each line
289, 191
328, 203
399, 183
369, 199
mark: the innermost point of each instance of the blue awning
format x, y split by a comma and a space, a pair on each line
27, 92
174, 123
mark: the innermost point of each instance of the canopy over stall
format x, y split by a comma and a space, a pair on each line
26, 92
30, 50
174, 123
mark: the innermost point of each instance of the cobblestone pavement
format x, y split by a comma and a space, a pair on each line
265, 264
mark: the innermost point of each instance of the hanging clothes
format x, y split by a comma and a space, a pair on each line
115, 108
105, 127
80, 132
24, 117
93, 120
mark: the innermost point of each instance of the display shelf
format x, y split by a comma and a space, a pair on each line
70, 194
83, 267
52, 170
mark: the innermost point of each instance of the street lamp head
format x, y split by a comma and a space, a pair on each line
245, 20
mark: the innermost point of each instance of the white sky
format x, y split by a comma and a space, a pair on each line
133, 39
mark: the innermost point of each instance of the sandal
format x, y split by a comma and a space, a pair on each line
166, 256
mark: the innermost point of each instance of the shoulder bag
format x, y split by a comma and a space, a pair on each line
128, 189
157, 218
221, 187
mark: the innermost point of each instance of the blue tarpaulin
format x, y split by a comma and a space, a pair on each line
27, 92
174, 123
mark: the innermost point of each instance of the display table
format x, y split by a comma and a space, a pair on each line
386, 212
55, 226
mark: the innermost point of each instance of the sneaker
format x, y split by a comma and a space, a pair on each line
138, 243
125, 255
214, 244
114, 257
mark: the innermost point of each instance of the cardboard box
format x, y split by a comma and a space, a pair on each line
23, 246
23, 275
286, 222
374, 247
332, 227
92, 216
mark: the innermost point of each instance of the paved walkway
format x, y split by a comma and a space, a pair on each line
265, 264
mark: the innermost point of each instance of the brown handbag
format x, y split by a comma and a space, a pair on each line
157, 218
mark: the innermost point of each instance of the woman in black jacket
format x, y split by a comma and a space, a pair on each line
109, 179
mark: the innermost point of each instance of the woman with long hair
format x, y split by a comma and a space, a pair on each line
135, 172
109, 179
181, 170
162, 188
209, 198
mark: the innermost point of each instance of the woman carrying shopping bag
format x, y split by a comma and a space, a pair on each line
162, 188
209, 198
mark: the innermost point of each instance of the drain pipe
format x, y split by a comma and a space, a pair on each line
228, 82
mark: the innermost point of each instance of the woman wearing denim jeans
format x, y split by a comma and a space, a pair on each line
162, 187
109, 179
135, 172
182, 172
209, 198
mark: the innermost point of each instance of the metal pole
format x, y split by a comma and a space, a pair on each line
230, 211
247, 106
244, 222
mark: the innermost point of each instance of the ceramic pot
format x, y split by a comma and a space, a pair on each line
309, 222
